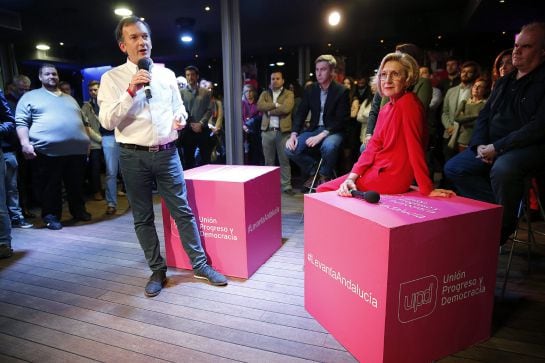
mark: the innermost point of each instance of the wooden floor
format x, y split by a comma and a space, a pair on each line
76, 295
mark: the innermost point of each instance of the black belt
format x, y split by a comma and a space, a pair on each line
151, 149
273, 129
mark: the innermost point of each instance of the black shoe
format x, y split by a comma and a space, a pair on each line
5, 251
52, 222
289, 192
208, 273
83, 216
156, 282
21, 223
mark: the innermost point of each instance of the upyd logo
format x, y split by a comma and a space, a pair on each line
417, 298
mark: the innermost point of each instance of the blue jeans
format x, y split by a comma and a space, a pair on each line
328, 149
5, 223
110, 148
501, 183
12, 193
140, 169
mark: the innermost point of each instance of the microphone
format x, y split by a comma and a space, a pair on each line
370, 196
145, 64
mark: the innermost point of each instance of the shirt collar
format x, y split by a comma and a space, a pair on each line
133, 67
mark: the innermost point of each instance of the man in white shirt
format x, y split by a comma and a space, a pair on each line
146, 128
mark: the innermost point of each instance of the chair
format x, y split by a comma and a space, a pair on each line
313, 185
524, 217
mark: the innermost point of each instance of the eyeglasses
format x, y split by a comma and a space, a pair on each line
396, 76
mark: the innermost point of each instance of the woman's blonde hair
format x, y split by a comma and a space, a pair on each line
407, 62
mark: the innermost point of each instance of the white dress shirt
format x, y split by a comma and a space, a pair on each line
274, 121
138, 120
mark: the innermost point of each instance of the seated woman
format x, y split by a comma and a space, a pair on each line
467, 115
394, 156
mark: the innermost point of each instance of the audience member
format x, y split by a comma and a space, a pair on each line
453, 75
7, 125
297, 90
451, 104
329, 104
362, 89
394, 157
51, 129
503, 65
468, 111
90, 111
10, 145
363, 114
276, 105
197, 102
434, 150
251, 125
65, 87
508, 141
216, 126
351, 142
19, 86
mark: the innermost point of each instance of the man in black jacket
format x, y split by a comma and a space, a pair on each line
329, 105
508, 141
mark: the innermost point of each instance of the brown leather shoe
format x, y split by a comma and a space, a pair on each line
98, 196
110, 210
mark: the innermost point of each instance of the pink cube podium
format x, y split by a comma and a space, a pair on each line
237, 209
410, 279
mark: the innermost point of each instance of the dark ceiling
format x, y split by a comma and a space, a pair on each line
86, 27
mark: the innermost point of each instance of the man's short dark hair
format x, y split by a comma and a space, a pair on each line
278, 70
128, 21
45, 65
192, 68
475, 66
93, 83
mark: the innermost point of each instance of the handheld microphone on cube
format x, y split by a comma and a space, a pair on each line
369, 196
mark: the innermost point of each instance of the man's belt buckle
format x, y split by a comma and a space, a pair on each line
154, 149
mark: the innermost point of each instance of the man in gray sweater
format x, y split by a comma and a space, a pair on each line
51, 130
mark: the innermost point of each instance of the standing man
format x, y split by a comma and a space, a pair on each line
146, 129
452, 101
10, 146
329, 104
7, 125
198, 103
20, 85
453, 75
508, 141
90, 111
276, 104
51, 130
110, 150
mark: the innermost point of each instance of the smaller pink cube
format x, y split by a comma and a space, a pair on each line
237, 209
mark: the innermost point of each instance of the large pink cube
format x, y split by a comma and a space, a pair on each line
410, 279
237, 209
